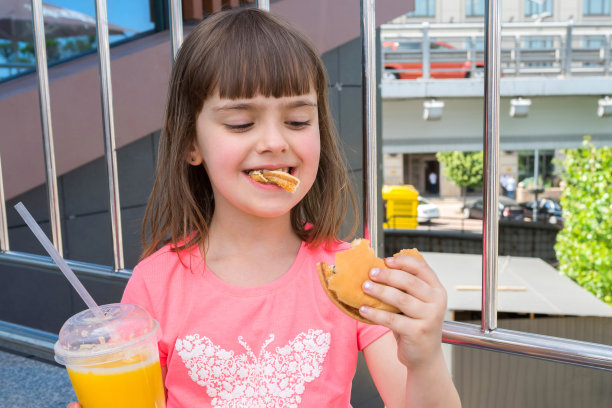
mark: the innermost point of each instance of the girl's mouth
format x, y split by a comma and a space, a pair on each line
281, 177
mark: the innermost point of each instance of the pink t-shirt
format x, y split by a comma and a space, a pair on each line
283, 344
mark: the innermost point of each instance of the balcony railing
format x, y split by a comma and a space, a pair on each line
457, 50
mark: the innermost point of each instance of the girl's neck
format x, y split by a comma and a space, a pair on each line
250, 251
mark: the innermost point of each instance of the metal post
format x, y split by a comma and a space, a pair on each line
606, 49
106, 92
176, 26
4, 241
426, 51
549, 348
491, 165
370, 162
536, 176
473, 56
517, 55
263, 4
568, 48
45, 119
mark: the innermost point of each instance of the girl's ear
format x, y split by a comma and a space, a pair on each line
194, 157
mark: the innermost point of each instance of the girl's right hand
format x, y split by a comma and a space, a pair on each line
73, 405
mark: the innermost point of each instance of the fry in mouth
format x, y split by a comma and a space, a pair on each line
278, 177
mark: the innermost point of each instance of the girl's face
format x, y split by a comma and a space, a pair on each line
235, 136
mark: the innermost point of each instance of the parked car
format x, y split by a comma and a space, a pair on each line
426, 211
405, 55
508, 209
548, 210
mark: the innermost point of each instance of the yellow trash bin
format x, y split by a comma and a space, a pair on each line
400, 206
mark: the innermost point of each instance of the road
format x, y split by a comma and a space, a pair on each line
451, 217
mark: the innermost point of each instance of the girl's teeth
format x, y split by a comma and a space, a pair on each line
284, 169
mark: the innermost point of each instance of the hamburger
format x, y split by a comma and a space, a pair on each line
343, 281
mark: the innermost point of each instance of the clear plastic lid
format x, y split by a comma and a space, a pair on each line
84, 337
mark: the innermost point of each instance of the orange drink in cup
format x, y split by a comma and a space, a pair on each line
113, 361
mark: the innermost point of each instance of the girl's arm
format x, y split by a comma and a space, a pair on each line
400, 387
407, 365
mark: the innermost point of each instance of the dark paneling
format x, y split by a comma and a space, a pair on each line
85, 189
89, 239
33, 297
136, 168
132, 242
36, 202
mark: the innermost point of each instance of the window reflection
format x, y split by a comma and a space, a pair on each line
70, 30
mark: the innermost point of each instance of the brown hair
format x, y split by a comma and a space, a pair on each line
240, 54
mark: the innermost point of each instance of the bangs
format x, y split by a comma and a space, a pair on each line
260, 57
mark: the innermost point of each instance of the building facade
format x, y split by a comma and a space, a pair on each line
546, 45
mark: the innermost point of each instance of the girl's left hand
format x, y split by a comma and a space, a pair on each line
413, 287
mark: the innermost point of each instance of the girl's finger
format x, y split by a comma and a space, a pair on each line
407, 304
414, 266
394, 321
404, 281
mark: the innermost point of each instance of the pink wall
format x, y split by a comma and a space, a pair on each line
139, 72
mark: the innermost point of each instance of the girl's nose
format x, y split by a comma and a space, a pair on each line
272, 140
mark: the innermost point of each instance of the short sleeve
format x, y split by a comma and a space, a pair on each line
368, 333
137, 292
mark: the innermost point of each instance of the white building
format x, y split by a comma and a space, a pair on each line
560, 83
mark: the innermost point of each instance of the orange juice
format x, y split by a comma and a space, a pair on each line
132, 383
113, 359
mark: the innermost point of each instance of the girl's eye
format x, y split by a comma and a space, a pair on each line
240, 127
298, 125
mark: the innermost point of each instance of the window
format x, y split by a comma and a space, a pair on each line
127, 19
474, 8
423, 8
596, 7
592, 41
538, 7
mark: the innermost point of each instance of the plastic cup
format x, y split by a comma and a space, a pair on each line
114, 361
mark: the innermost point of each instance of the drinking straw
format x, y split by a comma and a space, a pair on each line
70, 275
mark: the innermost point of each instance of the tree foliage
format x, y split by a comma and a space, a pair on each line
465, 169
584, 246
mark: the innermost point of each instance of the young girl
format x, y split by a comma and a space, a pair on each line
244, 319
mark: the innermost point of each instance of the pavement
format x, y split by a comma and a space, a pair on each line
27, 382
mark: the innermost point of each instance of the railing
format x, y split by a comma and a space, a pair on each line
486, 337
457, 50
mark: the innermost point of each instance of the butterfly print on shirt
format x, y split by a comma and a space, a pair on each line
263, 381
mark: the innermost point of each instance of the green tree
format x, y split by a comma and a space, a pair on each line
465, 169
52, 46
584, 246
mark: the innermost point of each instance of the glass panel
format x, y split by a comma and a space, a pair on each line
70, 31
423, 8
596, 7
474, 8
536, 8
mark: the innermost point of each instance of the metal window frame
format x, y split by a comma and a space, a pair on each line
485, 337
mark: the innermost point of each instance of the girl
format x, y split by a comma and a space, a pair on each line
244, 319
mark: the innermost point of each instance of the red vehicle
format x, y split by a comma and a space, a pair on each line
404, 60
